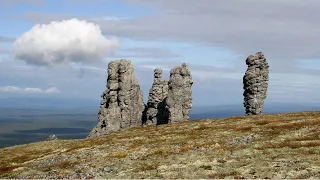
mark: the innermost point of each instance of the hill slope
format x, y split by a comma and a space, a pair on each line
266, 146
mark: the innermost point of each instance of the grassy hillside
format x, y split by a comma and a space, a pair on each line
266, 146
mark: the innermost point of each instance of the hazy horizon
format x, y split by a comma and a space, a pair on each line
94, 103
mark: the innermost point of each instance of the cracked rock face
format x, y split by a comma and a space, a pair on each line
157, 113
255, 83
179, 98
122, 104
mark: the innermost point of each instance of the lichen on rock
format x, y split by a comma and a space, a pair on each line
255, 83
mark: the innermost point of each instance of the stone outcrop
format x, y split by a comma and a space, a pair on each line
122, 103
156, 107
51, 138
255, 83
179, 98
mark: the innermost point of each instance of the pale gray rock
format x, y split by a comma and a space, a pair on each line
122, 104
51, 138
255, 83
179, 98
156, 107
242, 140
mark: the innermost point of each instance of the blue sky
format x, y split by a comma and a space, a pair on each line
212, 37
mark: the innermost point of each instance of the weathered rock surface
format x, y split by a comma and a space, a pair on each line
51, 138
157, 112
255, 83
179, 98
122, 103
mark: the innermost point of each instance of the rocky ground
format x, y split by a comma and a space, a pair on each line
263, 146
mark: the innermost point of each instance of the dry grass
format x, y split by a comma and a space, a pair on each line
243, 128
222, 175
8, 168
261, 122
309, 137
118, 155
290, 144
185, 148
148, 167
309, 152
295, 125
193, 149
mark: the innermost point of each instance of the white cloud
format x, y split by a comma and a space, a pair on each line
33, 90
9, 89
51, 90
63, 42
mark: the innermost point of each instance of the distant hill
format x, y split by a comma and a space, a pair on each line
48, 103
266, 146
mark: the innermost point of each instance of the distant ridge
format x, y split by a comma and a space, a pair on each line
48, 102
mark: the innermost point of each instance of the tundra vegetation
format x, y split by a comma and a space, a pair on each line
261, 146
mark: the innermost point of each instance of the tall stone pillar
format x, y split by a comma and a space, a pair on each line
122, 102
255, 83
179, 99
157, 113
